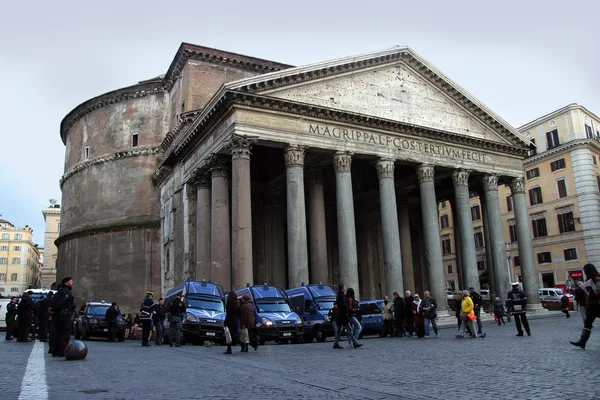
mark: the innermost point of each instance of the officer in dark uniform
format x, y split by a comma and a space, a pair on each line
42, 315
11, 313
111, 317
517, 301
177, 311
146, 310
53, 319
25, 312
63, 307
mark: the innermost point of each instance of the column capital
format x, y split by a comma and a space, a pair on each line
385, 168
200, 178
241, 146
425, 173
218, 165
294, 155
460, 177
342, 161
490, 183
315, 176
517, 185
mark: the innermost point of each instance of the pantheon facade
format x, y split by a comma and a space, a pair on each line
256, 171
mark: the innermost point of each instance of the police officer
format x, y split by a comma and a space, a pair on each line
63, 306
159, 318
111, 317
25, 312
517, 301
177, 310
53, 320
146, 317
42, 314
11, 313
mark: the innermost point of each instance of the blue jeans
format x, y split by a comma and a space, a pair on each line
356, 327
338, 331
159, 331
435, 327
176, 328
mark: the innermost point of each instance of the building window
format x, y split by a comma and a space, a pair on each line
444, 221
446, 247
444, 204
594, 160
552, 139
558, 164
14, 289
566, 222
2, 289
589, 133
449, 267
539, 227
598, 181
58, 227
86, 153
16, 260
3, 248
512, 230
2, 277
480, 265
134, 140
13, 277
532, 149
509, 203
535, 196
16, 248
571, 254
3, 260
475, 213
478, 240
532, 173
516, 261
544, 258
18, 236
561, 188
5, 236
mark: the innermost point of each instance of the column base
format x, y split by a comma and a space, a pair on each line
536, 309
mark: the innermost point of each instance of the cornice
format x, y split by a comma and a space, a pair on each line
160, 175
94, 230
563, 148
183, 121
555, 114
101, 160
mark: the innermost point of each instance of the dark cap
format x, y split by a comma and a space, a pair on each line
66, 279
471, 289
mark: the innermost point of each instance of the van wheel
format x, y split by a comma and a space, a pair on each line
320, 335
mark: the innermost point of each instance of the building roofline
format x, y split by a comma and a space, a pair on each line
554, 114
561, 149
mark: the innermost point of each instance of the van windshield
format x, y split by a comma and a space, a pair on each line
272, 306
205, 304
98, 310
325, 303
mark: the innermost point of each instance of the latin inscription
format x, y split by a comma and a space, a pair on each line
399, 143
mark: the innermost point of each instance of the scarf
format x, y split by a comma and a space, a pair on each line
418, 303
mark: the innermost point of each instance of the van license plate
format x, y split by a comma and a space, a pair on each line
287, 334
210, 334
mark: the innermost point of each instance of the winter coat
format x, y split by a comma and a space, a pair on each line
517, 301
247, 319
408, 301
564, 302
63, 304
432, 305
399, 309
146, 309
418, 316
112, 313
498, 308
466, 305
342, 309
388, 310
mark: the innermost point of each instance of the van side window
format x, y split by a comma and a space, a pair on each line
307, 304
545, 293
364, 308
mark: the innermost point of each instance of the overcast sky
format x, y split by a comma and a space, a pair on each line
522, 59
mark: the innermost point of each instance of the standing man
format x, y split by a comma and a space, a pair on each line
408, 302
400, 314
11, 313
111, 317
517, 302
25, 312
429, 307
42, 314
341, 320
146, 317
177, 311
477, 303
159, 318
63, 307
388, 318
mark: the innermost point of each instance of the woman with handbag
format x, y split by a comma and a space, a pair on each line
467, 314
232, 320
247, 324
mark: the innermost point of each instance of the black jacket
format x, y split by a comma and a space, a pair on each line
477, 299
146, 309
429, 303
342, 309
42, 309
399, 308
517, 301
159, 312
112, 313
26, 307
177, 307
63, 304
11, 310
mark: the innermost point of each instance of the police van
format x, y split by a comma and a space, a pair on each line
275, 316
38, 293
205, 310
372, 317
313, 303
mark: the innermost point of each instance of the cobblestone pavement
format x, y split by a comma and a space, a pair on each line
543, 366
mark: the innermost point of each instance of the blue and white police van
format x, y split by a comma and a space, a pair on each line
275, 316
313, 303
371, 317
205, 310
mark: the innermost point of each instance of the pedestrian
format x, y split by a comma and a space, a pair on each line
565, 303
53, 321
177, 311
11, 313
399, 314
499, 311
128, 324
388, 318
477, 303
111, 317
25, 312
42, 316
146, 318
592, 288
408, 302
158, 318
63, 307
418, 316
137, 323
518, 303
247, 324
509, 310
580, 298
341, 320
467, 315
49, 300
353, 313
232, 319
430, 314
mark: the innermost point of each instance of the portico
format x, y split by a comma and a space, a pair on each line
360, 151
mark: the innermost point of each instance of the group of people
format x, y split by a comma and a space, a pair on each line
156, 313
54, 315
240, 323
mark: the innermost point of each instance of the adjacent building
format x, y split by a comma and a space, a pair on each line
52, 220
19, 260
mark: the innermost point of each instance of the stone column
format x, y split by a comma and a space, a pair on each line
342, 162
220, 239
431, 236
392, 256
408, 272
296, 216
492, 205
275, 223
465, 229
488, 250
189, 230
241, 211
318, 232
456, 242
523, 227
203, 226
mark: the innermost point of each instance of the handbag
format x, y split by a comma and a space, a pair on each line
471, 316
227, 335
244, 336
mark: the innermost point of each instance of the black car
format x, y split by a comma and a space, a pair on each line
92, 321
